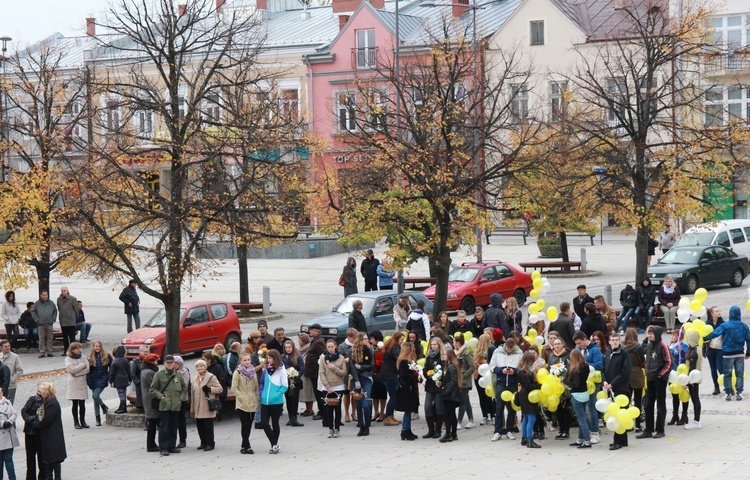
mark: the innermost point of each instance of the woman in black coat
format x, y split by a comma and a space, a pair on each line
119, 376
50, 429
407, 398
32, 440
451, 390
526, 384
349, 276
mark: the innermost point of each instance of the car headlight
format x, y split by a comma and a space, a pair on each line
333, 331
148, 341
123, 340
452, 295
675, 275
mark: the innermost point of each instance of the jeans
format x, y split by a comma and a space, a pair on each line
6, 457
649, 316
32, 336
592, 414
433, 404
624, 318
465, 406
656, 393
168, 430
96, 395
583, 427
364, 406
84, 328
406, 421
527, 425
133, 317
391, 385
501, 424
716, 363
738, 364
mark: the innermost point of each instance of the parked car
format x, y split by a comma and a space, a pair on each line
202, 325
471, 284
700, 266
377, 307
733, 234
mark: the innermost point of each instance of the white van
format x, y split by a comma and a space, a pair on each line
733, 234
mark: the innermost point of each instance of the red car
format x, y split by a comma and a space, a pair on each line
202, 325
471, 284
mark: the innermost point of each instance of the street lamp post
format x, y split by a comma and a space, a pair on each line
4, 109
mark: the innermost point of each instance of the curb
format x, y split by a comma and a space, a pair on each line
587, 273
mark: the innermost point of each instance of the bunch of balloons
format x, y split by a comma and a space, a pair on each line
471, 342
507, 396
686, 307
701, 327
548, 395
680, 379
618, 414
485, 380
541, 285
536, 309
533, 337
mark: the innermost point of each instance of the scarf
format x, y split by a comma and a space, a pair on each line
433, 353
668, 290
76, 356
332, 357
247, 373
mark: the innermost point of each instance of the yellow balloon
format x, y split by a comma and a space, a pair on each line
420, 362
515, 407
534, 396
538, 284
622, 400
622, 415
601, 395
607, 416
684, 396
535, 275
489, 391
621, 430
553, 408
542, 375
542, 304
552, 314
533, 308
506, 396
696, 305
675, 388
698, 324
682, 368
591, 387
532, 333
468, 336
534, 293
547, 389
720, 379
706, 330
424, 346
701, 294
634, 412
559, 389
613, 408
748, 305
387, 338
553, 401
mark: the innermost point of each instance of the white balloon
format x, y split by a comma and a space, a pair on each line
591, 369
683, 315
700, 313
539, 340
483, 382
672, 376
683, 379
483, 370
613, 424
602, 405
695, 376
684, 303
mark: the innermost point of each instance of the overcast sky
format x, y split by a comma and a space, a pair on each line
28, 21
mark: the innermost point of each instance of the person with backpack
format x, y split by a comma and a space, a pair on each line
658, 366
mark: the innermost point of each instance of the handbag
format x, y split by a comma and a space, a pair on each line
214, 404
332, 399
155, 402
342, 282
357, 394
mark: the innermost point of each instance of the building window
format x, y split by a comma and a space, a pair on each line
724, 105
730, 32
144, 122
617, 93
112, 116
519, 104
557, 100
365, 51
289, 104
346, 112
537, 32
211, 108
377, 107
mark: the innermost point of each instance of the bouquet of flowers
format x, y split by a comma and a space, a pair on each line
436, 374
559, 370
292, 374
262, 354
414, 367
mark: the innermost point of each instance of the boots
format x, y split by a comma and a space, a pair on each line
122, 408
98, 421
105, 408
430, 426
438, 426
533, 444
407, 435
361, 431
684, 419
83, 423
293, 421
446, 438
391, 421
76, 422
674, 419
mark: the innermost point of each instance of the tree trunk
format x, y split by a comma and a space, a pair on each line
172, 308
442, 267
564, 247
43, 271
244, 277
641, 253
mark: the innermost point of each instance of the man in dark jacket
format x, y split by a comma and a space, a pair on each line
279, 338
646, 299
495, 316
168, 386
369, 270
564, 326
356, 319
593, 355
658, 366
617, 368
129, 296
735, 344
629, 302
317, 348
67, 313
45, 316
581, 300
593, 321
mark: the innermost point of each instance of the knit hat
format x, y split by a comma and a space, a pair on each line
497, 335
178, 360
201, 362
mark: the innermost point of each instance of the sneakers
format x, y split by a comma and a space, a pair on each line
496, 437
330, 433
739, 396
458, 426
275, 449
595, 437
471, 424
694, 425
562, 436
510, 436
336, 433
483, 421
728, 397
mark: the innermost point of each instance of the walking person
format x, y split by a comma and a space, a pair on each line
8, 436
526, 383
292, 359
67, 308
349, 276
658, 366
11, 314
451, 392
13, 362
150, 407
713, 349
205, 386
50, 428
45, 316
275, 384
78, 393
168, 387
578, 373
119, 377
407, 399
98, 378
467, 372
617, 368
245, 388
333, 368
32, 441
129, 297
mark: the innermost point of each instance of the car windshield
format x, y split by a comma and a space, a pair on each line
688, 256
463, 275
345, 307
694, 239
160, 318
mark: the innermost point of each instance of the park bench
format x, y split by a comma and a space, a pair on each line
507, 232
553, 265
581, 234
423, 282
244, 309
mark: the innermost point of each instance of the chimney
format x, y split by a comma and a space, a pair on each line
91, 27
342, 21
219, 5
459, 9
181, 10
378, 4
261, 4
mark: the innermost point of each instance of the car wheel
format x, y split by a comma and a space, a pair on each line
468, 305
231, 338
520, 297
737, 278
691, 284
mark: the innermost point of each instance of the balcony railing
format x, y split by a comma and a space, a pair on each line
728, 64
364, 57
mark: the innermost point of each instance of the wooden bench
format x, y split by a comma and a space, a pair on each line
423, 282
564, 266
581, 234
244, 309
507, 232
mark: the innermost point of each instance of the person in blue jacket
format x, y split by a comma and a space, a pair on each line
679, 350
275, 385
735, 345
593, 356
385, 277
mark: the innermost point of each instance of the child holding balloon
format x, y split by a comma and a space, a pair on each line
695, 362
678, 349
